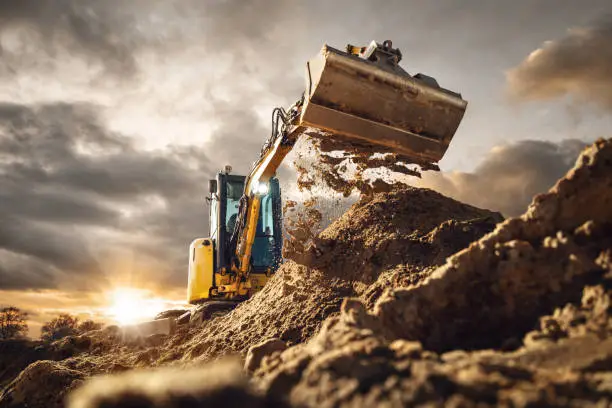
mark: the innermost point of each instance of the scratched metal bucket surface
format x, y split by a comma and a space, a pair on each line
380, 105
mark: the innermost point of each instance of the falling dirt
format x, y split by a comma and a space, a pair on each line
347, 167
409, 298
302, 224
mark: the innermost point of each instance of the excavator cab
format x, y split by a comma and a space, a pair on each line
211, 258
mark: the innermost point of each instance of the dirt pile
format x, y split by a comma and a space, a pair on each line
15, 355
41, 384
381, 242
550, 269
407, 226
406, 230
529, 266
350, 363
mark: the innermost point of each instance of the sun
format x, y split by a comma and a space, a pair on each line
133, 305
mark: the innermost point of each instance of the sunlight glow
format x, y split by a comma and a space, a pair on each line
131, 305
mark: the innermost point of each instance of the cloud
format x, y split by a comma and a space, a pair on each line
70, 191
58, 28
578, 65
509, 176
112, 35
96, 194
86, 87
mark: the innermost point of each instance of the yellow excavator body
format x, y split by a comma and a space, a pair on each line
361, 97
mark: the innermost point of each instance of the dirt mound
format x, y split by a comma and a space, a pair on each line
349, 363
385, 231
522, 271
41, 384
407, 226
15, 355
558, 255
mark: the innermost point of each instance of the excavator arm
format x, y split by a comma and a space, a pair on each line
362, 95
285, 133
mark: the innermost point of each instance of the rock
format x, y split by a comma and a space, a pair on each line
256, 353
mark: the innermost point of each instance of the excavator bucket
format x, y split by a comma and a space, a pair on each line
363, 94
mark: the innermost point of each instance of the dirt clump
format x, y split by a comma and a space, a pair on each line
347, 166
257, 352
41, 384
302, 224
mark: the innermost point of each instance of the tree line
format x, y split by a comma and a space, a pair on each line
14, 325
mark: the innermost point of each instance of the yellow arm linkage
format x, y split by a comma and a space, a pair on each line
263, 170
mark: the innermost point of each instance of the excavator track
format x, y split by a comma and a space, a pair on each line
211, 309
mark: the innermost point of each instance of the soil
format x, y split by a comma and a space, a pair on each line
346, 167
521, 317
409, 298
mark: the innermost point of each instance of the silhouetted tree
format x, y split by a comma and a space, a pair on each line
13, 323
88, 325
62, 326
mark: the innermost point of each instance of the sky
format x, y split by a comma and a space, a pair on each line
114, 114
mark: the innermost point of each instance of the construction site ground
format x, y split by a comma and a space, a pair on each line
409, 298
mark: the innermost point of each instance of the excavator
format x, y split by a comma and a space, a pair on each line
360, 95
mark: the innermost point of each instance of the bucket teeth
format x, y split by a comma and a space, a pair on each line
375, 101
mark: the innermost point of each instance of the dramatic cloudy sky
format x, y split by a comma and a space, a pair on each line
114, 114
